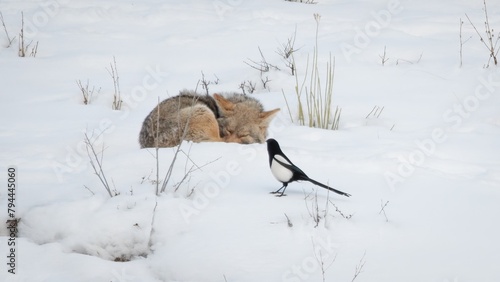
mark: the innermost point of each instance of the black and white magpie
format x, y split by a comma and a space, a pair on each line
285, 171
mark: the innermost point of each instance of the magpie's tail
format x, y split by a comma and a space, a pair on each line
327, 187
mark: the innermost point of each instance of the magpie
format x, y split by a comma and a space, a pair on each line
285, 171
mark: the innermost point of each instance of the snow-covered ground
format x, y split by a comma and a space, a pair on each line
424, 174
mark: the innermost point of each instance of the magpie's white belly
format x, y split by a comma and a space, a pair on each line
280, 172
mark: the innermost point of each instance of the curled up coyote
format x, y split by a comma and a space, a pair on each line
199, 118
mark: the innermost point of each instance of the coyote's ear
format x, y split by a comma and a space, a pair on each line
223, 103
266, 117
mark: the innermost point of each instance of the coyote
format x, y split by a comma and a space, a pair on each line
199, 118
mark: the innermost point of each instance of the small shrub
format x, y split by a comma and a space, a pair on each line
24, 49
205, 83
489, 41
247, 87
286, 51
87, 92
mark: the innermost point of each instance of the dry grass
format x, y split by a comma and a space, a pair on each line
318, 95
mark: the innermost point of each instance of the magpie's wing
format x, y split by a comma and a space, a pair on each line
291, 166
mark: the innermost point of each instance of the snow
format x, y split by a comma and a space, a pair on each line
431, 156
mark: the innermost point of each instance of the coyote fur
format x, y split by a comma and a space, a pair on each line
199, 118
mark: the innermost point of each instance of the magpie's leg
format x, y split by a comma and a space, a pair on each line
277, 191
282, 193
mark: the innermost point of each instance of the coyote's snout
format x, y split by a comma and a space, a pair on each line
198, 118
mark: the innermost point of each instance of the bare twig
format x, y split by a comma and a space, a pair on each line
336, 118
289, 222
321, 260
263, 65
359, 267
34, 50
317, 217
191, 192
113, 72
174, 159
192, 169
462, 42
265, 81
96, 164
286, 51
382, 210
375, 112
371, 112
313, 210
205, 83
490, 43
87, 93
287, 106
89, 190
346, 216
157, 147
166, 179
11, 40
409, 61
23, 48
383, 57
148, 177
187, 174
322, 264
152, 230
247, 86
171, 167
